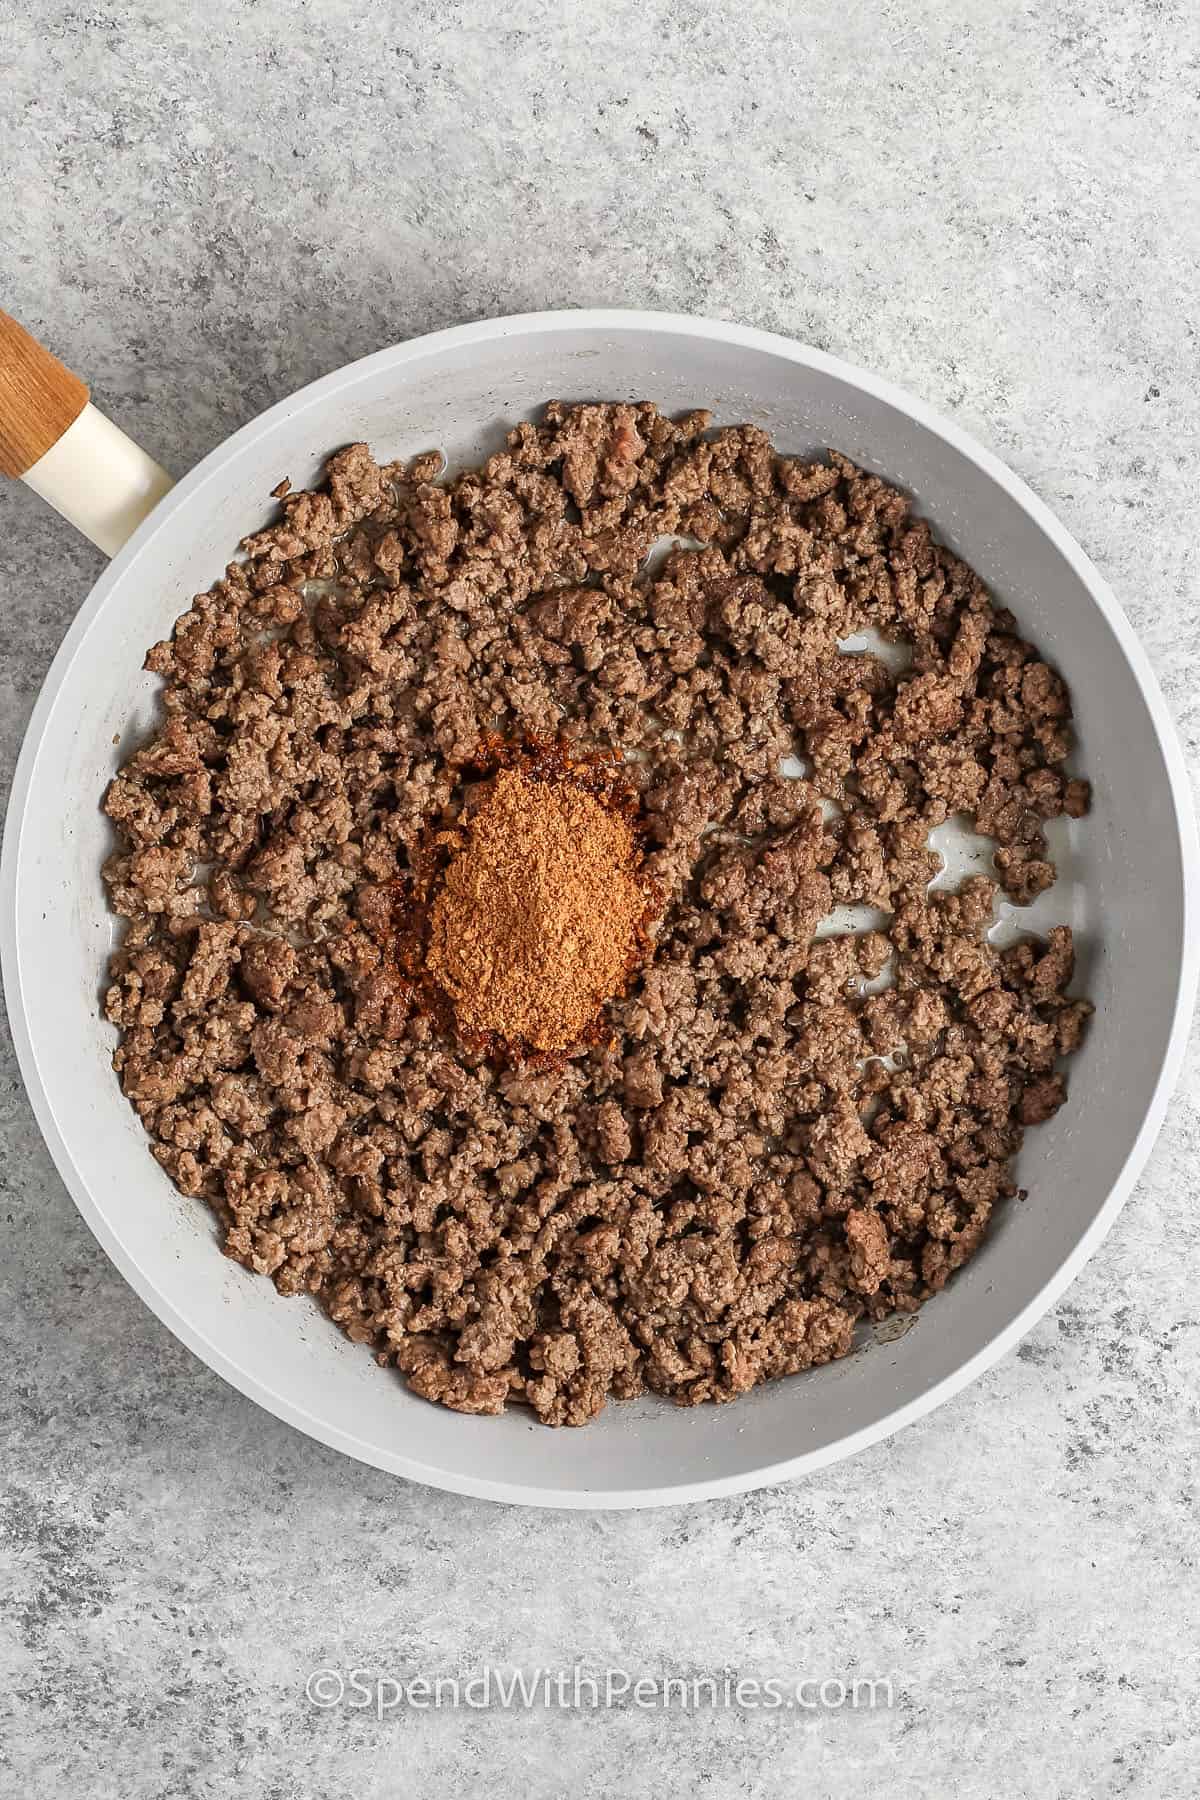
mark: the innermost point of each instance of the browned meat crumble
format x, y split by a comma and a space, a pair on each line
774, 1144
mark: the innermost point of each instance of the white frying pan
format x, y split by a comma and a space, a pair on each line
1128, 882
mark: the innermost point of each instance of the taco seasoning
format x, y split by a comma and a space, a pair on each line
540, 915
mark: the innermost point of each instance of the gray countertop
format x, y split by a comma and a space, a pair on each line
993, 205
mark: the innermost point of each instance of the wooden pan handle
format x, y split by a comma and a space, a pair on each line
54, 439
39, 398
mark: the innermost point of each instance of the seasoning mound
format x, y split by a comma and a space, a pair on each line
537, 919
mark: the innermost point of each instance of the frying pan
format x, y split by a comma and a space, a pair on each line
1128, 882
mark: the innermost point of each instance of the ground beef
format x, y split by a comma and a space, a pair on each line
785, 1133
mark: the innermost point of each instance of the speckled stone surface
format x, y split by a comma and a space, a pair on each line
995, 205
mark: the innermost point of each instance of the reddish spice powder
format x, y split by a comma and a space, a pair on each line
540, 913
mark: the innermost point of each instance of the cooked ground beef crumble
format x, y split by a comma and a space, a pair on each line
785, 1133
